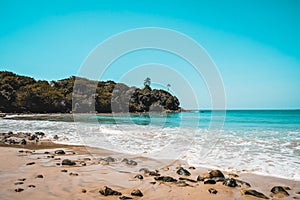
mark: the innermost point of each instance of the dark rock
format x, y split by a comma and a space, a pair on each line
165, 179
125, 197
68, 162
139, 176
21, 151
60, 151
23, 142
39, 176
83, 190
216, 174
152, 182
137, 193
31, 163
32, 137
55, 137
187, 179
243, 183
64, 170
82, 163
199, 178
106, 191
41, 134
108, 159
192, 168
183, 172
210, 181
279, 191
212, 191
31, 186
129, 162
19, 190
73, 174
46, 152
154, 173
19, 183
181, 184
253, 193
144, 170
230, 182
21, 179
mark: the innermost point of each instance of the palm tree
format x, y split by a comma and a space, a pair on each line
168, 86
147, 82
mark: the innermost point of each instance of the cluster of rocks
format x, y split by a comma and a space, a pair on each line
21, 138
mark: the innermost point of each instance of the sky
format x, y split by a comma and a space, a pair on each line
255, 45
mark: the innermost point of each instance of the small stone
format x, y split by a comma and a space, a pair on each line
139, 176
203, 176
64, 170
82, 163
216, 174
23, 142
137, 193
60, 151
253, 193
230, 182
21, 179
106, 191
181, 184
31, 163
233, 175
279, 191
243, 183
129, 162
210, 181
144, 170
21, 151
183, 172
55, 137
154, 173
191, 167
165, 179
19, 183
31, 186
39, 176
152, 182
125, 197
68, 162
212, 191
19, 190
73, 174
108, 159
46, 152
83, 190
166, 168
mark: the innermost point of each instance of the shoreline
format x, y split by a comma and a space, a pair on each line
95, 168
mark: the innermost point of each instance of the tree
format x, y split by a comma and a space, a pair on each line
147, 82
168, 86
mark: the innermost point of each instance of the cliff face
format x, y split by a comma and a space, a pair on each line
24, 94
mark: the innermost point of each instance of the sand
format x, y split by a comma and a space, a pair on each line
84, 182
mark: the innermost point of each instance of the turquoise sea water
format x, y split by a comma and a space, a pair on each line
260, 141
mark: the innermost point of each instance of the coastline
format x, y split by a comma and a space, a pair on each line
92, 171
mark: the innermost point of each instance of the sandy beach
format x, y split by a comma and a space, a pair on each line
46, 170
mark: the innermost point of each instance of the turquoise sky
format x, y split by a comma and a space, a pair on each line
255, 44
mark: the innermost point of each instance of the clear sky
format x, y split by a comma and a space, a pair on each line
254, 43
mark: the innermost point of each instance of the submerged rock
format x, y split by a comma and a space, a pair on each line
279, 191
212, 191
106, 191
165, 179
183, 172
137, 193
230, 182
254, 193
68, 162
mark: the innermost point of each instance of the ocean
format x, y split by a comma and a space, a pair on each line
259, 141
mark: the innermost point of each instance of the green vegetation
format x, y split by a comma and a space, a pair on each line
21, 94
